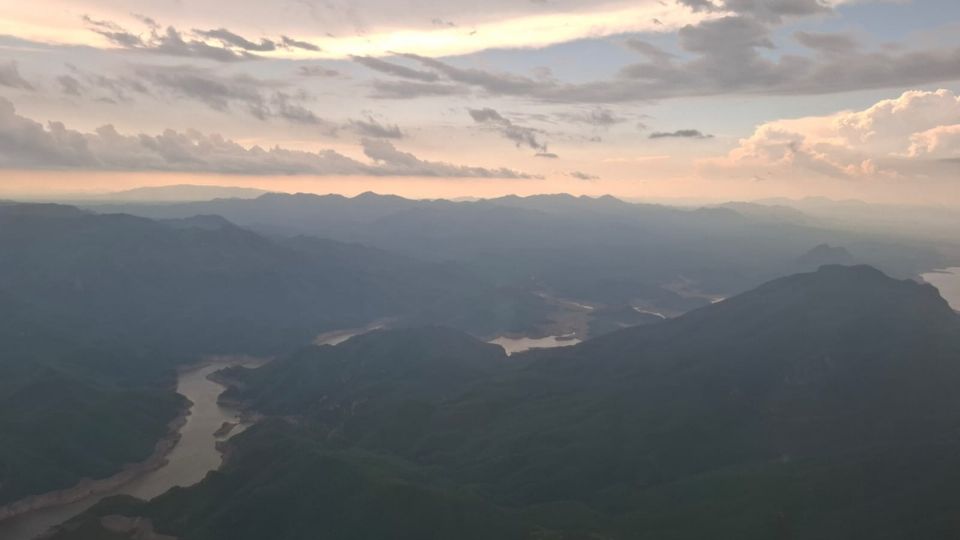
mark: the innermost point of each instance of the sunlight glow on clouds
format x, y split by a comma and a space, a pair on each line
912, 134
519, 31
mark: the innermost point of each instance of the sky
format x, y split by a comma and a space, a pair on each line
694, 100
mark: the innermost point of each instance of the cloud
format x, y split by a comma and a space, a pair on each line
652, 52
374, 129
396, 70
775, 10
262, 98
11, 78
583, 176
411, 89
405, 164
680, 134
104, 88
206, 86
172, 42
826, 42
69, 85
911, 136
230, 39
27, 144
218, 44
340, 29
288, 107
598, 117
520, 135
291, 43
726, 55
318, 71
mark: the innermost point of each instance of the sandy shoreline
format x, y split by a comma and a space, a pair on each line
129, 472
89, 487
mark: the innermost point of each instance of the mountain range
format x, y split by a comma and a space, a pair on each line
592, 250
819, 405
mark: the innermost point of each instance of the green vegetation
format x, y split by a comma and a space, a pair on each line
818, 406
97, 310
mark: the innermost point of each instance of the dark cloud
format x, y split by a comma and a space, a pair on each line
652, 52
11, 78
291, 43
27, 144
150, 22
374, 129
827, 42
229, 39
732, 54
546, 155
396, 70
70, 85
289, 107
680, 134
229, 47
775, 10
318, 71
520, 135
400, 163
583, 176
502, 83
105, 88
262, 98
412, 89
598, 117
172, 42
207, 86
115, 33
698, 5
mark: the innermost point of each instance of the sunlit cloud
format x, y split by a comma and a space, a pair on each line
518, 31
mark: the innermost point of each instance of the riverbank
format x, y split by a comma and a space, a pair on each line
186, 459
93, 487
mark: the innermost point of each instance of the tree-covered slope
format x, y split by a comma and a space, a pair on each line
817, 406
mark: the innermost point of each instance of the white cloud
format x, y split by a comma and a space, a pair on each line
912, 135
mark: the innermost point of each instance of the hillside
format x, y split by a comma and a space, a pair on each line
821, 405
204, 285
97, 310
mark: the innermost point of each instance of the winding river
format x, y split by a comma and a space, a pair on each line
189, 461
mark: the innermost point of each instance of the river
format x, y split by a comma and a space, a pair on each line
948, 282
190, 460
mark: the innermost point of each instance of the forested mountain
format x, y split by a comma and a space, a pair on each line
820, 405
203, 285
97, 310
594, 250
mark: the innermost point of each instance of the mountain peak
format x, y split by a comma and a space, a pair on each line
825, 254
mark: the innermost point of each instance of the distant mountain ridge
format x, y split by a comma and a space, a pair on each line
592, 250
184, 193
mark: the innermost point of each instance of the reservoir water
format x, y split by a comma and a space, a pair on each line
948, 282
190, 460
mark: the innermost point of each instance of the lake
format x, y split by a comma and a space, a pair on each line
190, 460
948, 282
